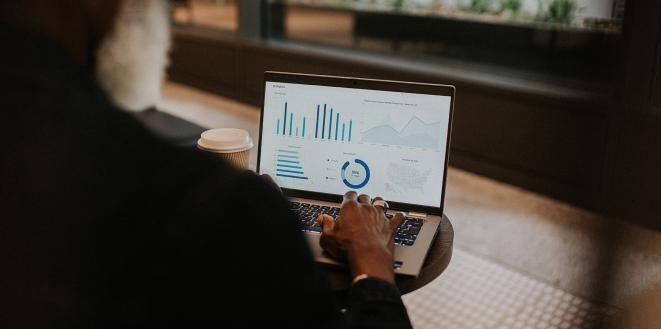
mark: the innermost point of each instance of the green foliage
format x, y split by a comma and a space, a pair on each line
480, 6
398, 4
558, 11
512, 5
493, 6
562, 11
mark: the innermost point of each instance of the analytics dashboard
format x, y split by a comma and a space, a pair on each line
334, 139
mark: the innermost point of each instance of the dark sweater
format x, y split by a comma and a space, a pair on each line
103, 225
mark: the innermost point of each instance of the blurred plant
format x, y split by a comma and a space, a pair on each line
494, 7
557, 11
480, 6
512, 5
562, 11
398, 4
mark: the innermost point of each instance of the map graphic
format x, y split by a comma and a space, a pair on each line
407, 178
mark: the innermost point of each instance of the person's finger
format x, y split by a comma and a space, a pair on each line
327, 223
350, 196
379, 205
328, 241
396, 221
365, 199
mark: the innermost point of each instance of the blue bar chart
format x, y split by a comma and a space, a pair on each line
288, 164
288, 127
329, 124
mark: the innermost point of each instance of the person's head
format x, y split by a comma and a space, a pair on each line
124, 43
131, 60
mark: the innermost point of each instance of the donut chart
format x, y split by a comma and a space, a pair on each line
355, 174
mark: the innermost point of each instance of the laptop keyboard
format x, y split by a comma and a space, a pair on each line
308, 213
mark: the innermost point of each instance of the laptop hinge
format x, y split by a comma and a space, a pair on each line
417, 214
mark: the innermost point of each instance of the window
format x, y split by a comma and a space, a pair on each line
213, 14
566, 37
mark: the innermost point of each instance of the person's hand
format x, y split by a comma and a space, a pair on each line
364, 235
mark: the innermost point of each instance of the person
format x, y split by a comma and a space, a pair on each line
104, 225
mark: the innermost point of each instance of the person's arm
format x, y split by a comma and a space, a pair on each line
374, 303
246, 260
364, 236
239, 240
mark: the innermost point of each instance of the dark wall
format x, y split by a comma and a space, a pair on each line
553, 143
632, 183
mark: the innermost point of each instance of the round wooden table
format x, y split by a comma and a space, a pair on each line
436, 262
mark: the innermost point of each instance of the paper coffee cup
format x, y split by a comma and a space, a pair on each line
230, 144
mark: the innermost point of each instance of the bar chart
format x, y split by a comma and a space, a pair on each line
329, 125
288, 164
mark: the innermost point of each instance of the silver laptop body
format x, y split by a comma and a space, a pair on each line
321, 136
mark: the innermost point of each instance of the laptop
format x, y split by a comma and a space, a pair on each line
321, 136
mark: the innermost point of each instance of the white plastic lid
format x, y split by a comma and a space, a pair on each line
225, 140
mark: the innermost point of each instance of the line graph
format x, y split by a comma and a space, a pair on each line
416, 133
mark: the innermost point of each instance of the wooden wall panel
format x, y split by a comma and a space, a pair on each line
203, 63
565, 145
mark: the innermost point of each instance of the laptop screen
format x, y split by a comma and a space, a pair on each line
333, 139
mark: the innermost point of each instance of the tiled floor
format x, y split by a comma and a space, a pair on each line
521, 259
476, 293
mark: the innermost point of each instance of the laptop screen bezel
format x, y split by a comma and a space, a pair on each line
369, 84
